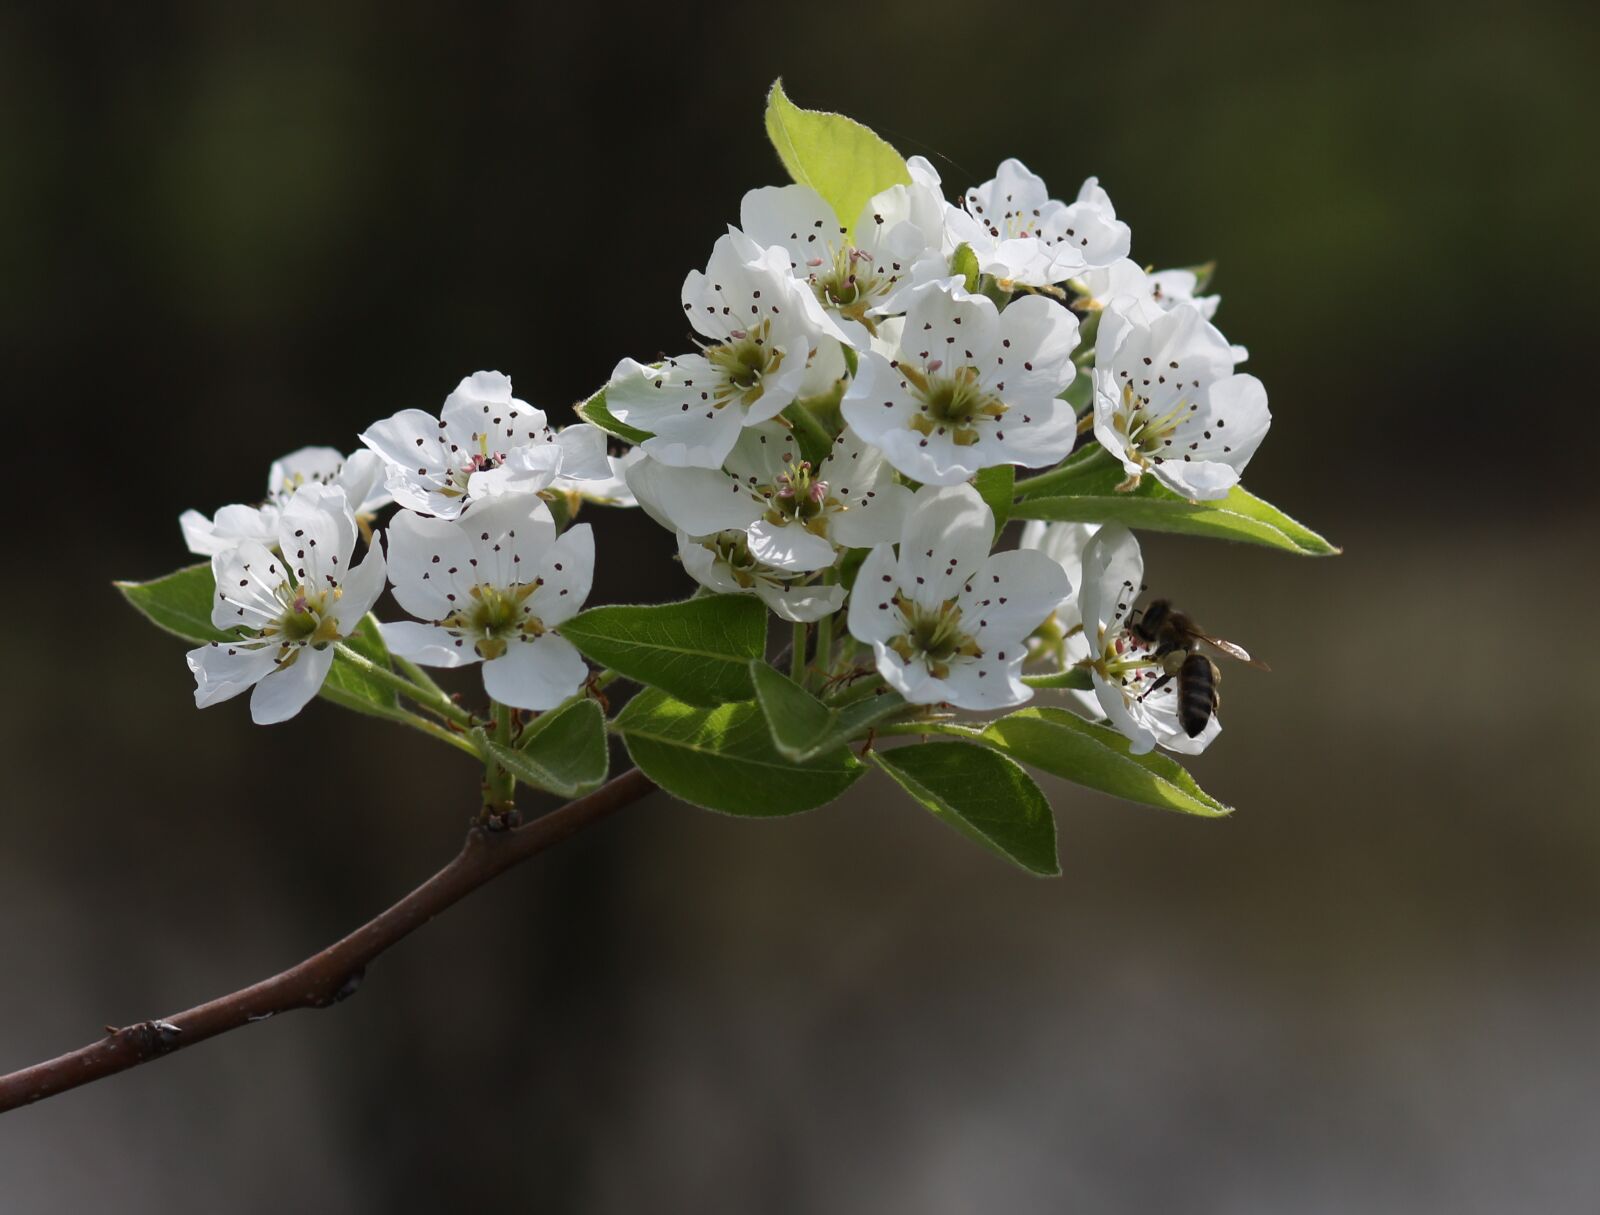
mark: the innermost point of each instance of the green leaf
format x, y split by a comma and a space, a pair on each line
351, 687
983, 795
699, 650
563, 751
1063, 744
802, 726
180, 603
723, 758
836, 156
1090, 496
996, 485
594, 411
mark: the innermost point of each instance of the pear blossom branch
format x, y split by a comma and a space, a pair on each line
330, 976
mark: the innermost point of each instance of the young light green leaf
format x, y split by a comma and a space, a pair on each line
983, 795
802, 726
723, 758
1063, 744
1091, 496
996, 485
594, 412
836, 156
699, 649
563, 751
179, 603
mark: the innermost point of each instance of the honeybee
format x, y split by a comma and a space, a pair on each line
1177, 640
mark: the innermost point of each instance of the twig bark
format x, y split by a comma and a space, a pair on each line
324, 978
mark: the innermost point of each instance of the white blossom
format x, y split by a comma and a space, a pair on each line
899, 233
290, 607
794, 516
1147, 292
1126, 669
1167, 400
1160, 290
1060, 640
763, 329
360, 475
611, 490
722, 562
494, 587
1025, 238
968, 387
484, 443
948, 621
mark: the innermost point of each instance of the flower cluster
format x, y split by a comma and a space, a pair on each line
855, 375
473, 553
858, 387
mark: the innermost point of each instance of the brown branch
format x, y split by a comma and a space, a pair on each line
327, 977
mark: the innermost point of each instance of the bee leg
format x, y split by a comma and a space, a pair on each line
1156, 686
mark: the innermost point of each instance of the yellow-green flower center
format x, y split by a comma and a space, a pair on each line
933, 636
307, 616
952, 403
495, 617
743, 363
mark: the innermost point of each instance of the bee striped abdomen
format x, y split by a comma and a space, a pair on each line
1197, 693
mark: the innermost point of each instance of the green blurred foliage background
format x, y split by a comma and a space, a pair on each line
230, 230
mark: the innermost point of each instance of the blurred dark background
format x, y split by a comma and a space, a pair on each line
230, 230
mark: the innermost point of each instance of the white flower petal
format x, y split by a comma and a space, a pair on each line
800, 604
701, 441
797, 219
1038, 337
430, 565
1141, 738
789, 546
317, 535
222, 670
537, 675
696, 500
411, 443
915, 683
947, 537
284, 692
985, 683
1011, 595
1113, 574
427, 644
361, 589
247, 577
700, 563
566, 575
583, 452
873, 615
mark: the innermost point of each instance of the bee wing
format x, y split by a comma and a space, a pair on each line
1235, 651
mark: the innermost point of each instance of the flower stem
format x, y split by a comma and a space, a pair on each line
418, 676
434, 730
797, 654
930, 727
499, 785
434, 699
824, 652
